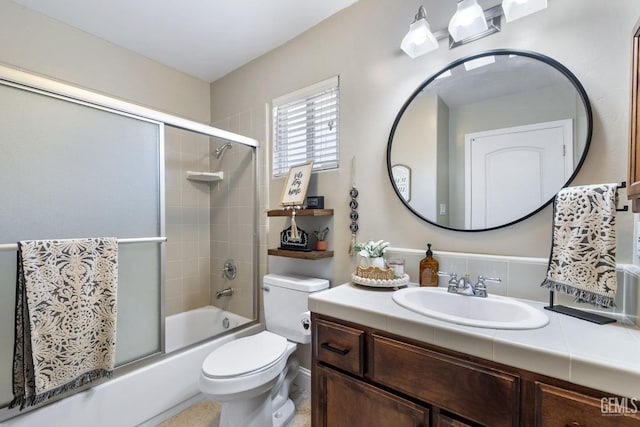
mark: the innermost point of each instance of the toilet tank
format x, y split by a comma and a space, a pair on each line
285, 300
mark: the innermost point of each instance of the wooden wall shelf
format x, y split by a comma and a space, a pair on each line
300, 254
300, 212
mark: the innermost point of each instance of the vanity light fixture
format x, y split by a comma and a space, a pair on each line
419, 40
468, 21
516, 9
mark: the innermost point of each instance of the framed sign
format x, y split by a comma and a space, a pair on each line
295, 187
402, 178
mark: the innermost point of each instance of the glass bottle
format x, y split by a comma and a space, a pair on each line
429, 268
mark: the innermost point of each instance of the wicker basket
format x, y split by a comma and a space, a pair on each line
375, 273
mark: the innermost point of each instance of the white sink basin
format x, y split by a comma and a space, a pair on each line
494, 312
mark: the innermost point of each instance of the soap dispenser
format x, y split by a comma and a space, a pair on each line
429, 268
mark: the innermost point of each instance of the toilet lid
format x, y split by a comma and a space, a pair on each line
244, 355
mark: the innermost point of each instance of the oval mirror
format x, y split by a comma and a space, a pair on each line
489, 140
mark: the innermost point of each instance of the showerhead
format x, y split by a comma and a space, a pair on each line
218, 152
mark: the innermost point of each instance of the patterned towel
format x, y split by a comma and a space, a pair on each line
583, 251
65, 316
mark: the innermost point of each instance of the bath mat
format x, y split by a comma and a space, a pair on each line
65, 330
583, 250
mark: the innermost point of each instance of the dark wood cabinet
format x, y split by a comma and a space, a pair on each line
559, 407
449, 383
341, 346
442, 420
365, 377
344, 401
633, 175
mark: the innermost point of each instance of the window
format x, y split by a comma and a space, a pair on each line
305, 127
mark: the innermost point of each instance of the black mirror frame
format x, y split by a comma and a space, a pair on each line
540, 57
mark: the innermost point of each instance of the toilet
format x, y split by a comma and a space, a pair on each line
251, 376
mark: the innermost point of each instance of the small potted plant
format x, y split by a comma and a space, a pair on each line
372, 252
321, 235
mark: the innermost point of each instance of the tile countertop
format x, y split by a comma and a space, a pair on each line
604, 357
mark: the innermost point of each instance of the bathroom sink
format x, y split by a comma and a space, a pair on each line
495, 311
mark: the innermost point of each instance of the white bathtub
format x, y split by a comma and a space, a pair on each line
190, 327
139, 397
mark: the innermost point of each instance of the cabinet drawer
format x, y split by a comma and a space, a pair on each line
339, 346
483, 395
561, 408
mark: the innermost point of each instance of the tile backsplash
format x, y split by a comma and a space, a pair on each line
521, 278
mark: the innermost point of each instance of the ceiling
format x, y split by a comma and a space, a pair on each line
204, 38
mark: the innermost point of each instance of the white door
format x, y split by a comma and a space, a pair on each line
513, 171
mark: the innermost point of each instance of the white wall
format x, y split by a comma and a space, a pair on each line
41, 45
361, 44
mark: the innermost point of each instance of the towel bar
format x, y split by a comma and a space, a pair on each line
14, 246
625, 208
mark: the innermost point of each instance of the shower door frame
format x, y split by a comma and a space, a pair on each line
37, 84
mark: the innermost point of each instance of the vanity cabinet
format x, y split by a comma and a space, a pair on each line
365, 377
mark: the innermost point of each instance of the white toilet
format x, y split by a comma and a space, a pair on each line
251, 376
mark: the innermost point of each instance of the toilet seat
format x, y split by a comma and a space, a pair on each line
245, 356
231, 371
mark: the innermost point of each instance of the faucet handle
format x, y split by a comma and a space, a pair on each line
444, 273
482, 279
480, 288
453, 277
453, 280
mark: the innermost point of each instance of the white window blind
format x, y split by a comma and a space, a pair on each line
306, 127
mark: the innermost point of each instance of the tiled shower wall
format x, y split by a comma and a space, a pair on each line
233, 206
209, 222
187, 222
232, 228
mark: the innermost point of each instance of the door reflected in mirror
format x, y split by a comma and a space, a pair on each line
489, 140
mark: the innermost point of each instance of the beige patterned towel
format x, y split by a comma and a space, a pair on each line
583, 250
65, 316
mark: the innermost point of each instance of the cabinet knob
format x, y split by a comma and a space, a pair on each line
573, 424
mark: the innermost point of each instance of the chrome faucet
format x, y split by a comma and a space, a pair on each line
224, 293
463, 285
480, 289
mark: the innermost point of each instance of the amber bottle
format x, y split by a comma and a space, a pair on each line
429, 269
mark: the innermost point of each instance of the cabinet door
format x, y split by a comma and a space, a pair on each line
557, 407
345, 401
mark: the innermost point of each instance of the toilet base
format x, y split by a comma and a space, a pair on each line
255, 413
282, 416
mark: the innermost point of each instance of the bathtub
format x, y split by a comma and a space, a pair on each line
150, 394
190, 327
